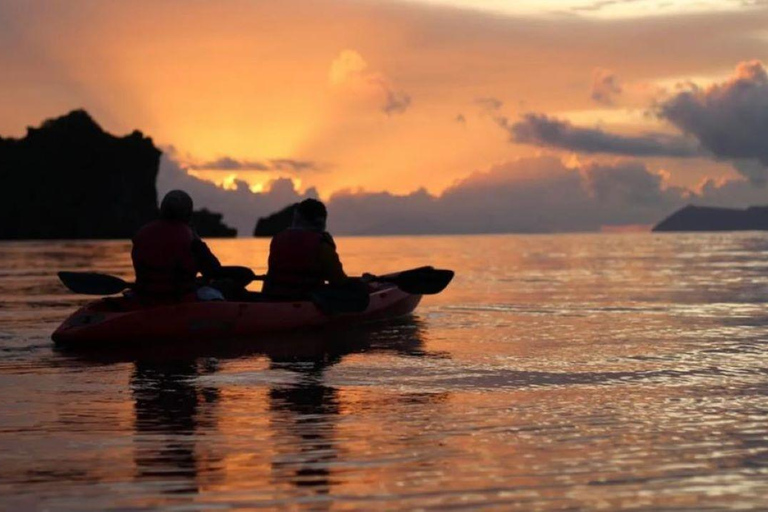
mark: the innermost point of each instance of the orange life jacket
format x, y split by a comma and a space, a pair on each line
294, 262
163, 260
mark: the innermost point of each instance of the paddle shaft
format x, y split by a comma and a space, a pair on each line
418, 281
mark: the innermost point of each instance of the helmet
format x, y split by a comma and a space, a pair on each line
312, 210
176, 205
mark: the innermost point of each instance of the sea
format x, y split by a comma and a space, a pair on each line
557, 372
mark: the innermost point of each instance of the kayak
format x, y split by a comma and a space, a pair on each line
113, 320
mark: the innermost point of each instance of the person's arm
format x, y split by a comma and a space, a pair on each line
207, 263
330, 263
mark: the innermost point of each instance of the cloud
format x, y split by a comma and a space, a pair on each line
239, 205
489, 104
528, 195
542, 130
605, 86
727, 121
350, 71
397, 102
626, 183
730, 119
602, 4
226, 163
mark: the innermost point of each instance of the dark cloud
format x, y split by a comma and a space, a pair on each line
396, 102
542, 130
732, 193
729, 119
527, 196
626, 183
287, 164
489, 103
226, 163
605, 85
530, 195
240, 206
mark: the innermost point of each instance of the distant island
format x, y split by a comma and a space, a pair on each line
70, 179
274, 223
704, 218
209, 224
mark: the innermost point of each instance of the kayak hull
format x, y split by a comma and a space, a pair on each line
107, 321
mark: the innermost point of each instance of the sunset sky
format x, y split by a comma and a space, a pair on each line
640, 105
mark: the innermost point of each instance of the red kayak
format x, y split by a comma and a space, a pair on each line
119, 321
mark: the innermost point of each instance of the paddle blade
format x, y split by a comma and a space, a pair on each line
352, 297
422, 281
242, 275
92, 283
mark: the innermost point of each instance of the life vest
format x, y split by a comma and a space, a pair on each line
163, 260
294, 262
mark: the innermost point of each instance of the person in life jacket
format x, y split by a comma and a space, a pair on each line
303, 257
167, 254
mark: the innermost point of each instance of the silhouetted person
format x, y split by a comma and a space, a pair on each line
303, 257
167, 254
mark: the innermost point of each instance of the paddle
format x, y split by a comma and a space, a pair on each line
94, 283
351, 298
418, 281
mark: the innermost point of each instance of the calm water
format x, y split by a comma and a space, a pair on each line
573, 372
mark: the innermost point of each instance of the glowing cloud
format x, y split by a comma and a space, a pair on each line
349, 71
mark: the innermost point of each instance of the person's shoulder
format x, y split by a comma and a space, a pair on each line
145, 229
326, 238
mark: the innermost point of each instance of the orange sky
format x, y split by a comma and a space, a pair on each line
376, 95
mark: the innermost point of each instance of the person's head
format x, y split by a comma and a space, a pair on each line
310, 213
176, 205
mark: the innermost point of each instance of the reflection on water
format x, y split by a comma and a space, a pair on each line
572, 372
170, 409
306, 412
176, 404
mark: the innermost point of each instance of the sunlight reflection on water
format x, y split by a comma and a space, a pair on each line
556, 372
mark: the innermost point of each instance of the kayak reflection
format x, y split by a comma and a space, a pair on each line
178, 409
305, 413
169, 409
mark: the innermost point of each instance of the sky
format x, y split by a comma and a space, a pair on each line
415, 115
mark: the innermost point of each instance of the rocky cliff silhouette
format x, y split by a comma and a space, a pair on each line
71, 179
703, 218
209, 224
274, 223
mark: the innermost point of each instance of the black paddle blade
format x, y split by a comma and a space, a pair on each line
92, 283
421, 281
240, 274
351, 297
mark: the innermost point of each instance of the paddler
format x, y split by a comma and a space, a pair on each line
168, 254
303, 257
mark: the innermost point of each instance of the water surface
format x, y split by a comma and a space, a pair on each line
568, 372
